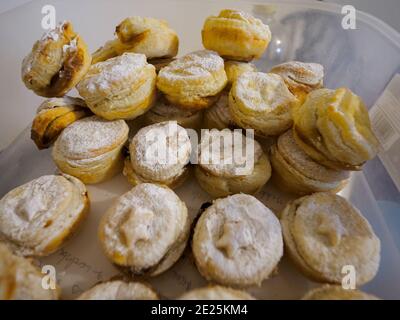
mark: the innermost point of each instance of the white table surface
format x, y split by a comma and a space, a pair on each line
14, 118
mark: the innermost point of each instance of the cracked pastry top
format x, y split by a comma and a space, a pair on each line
57, 62
152, 37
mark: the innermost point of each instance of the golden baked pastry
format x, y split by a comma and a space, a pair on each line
236, 35
218, 116
37, 217
231, 163
262, 101
152, 37
334, 129
57, 62
160, 63
194, 80
119, 290
295, 171
234, 69
216, 292
119, 88
300, 77
53, 116
21, 280
237, 241
332, 292
323, 233
146, 230
90, 149
107, 51
159, 153
164, 111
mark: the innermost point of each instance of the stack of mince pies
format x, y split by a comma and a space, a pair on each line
319, 135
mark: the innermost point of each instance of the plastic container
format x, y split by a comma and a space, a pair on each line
364, 60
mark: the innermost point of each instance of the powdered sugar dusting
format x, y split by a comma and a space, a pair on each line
71, 47
102, 74
54, 34
262, 91
28, 208
193, 65
160, 151
165, 209
34, 214
242, 225
89, 135
304, 73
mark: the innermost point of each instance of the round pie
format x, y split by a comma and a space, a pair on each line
90, 149
261, 101
159, 153
323, 233
301, 78
237, 241
333, 128
146, 230
39, 216
123, 87
230, 163
296, 172
194, 80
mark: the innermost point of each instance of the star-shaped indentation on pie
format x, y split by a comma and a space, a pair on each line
236, 235
137, 226
29, 207
330, 226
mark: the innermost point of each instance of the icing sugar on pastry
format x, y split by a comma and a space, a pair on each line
34, 214
237, 241
323, 232
196, 64
146, 229
194, 80
119, 88
114, 70
262, 101
161, 151
103, 134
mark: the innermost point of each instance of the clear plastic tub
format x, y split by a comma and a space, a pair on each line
364, 60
